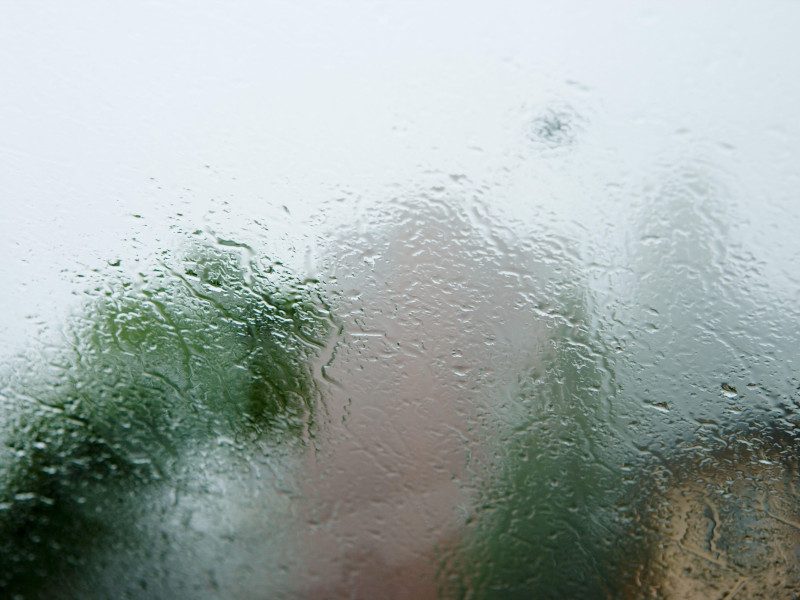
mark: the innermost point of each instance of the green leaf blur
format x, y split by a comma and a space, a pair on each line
208, 346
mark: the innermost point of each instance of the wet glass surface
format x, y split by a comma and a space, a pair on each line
363, 301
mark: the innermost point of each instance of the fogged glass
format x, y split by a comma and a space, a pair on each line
372, 301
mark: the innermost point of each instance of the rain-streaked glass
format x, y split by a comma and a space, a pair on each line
357, 300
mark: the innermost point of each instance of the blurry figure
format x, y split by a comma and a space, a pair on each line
465, 387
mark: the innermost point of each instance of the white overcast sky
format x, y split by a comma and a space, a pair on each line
218, 114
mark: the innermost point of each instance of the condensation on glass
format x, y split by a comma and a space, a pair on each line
377, 303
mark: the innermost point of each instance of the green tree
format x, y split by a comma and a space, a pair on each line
208, 346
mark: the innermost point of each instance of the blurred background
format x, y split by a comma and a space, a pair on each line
548, 249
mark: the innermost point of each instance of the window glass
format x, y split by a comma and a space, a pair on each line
363, 300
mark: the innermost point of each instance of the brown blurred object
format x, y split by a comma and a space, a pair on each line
725, 525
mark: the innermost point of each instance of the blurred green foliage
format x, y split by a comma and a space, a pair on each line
210, 345
541, 527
